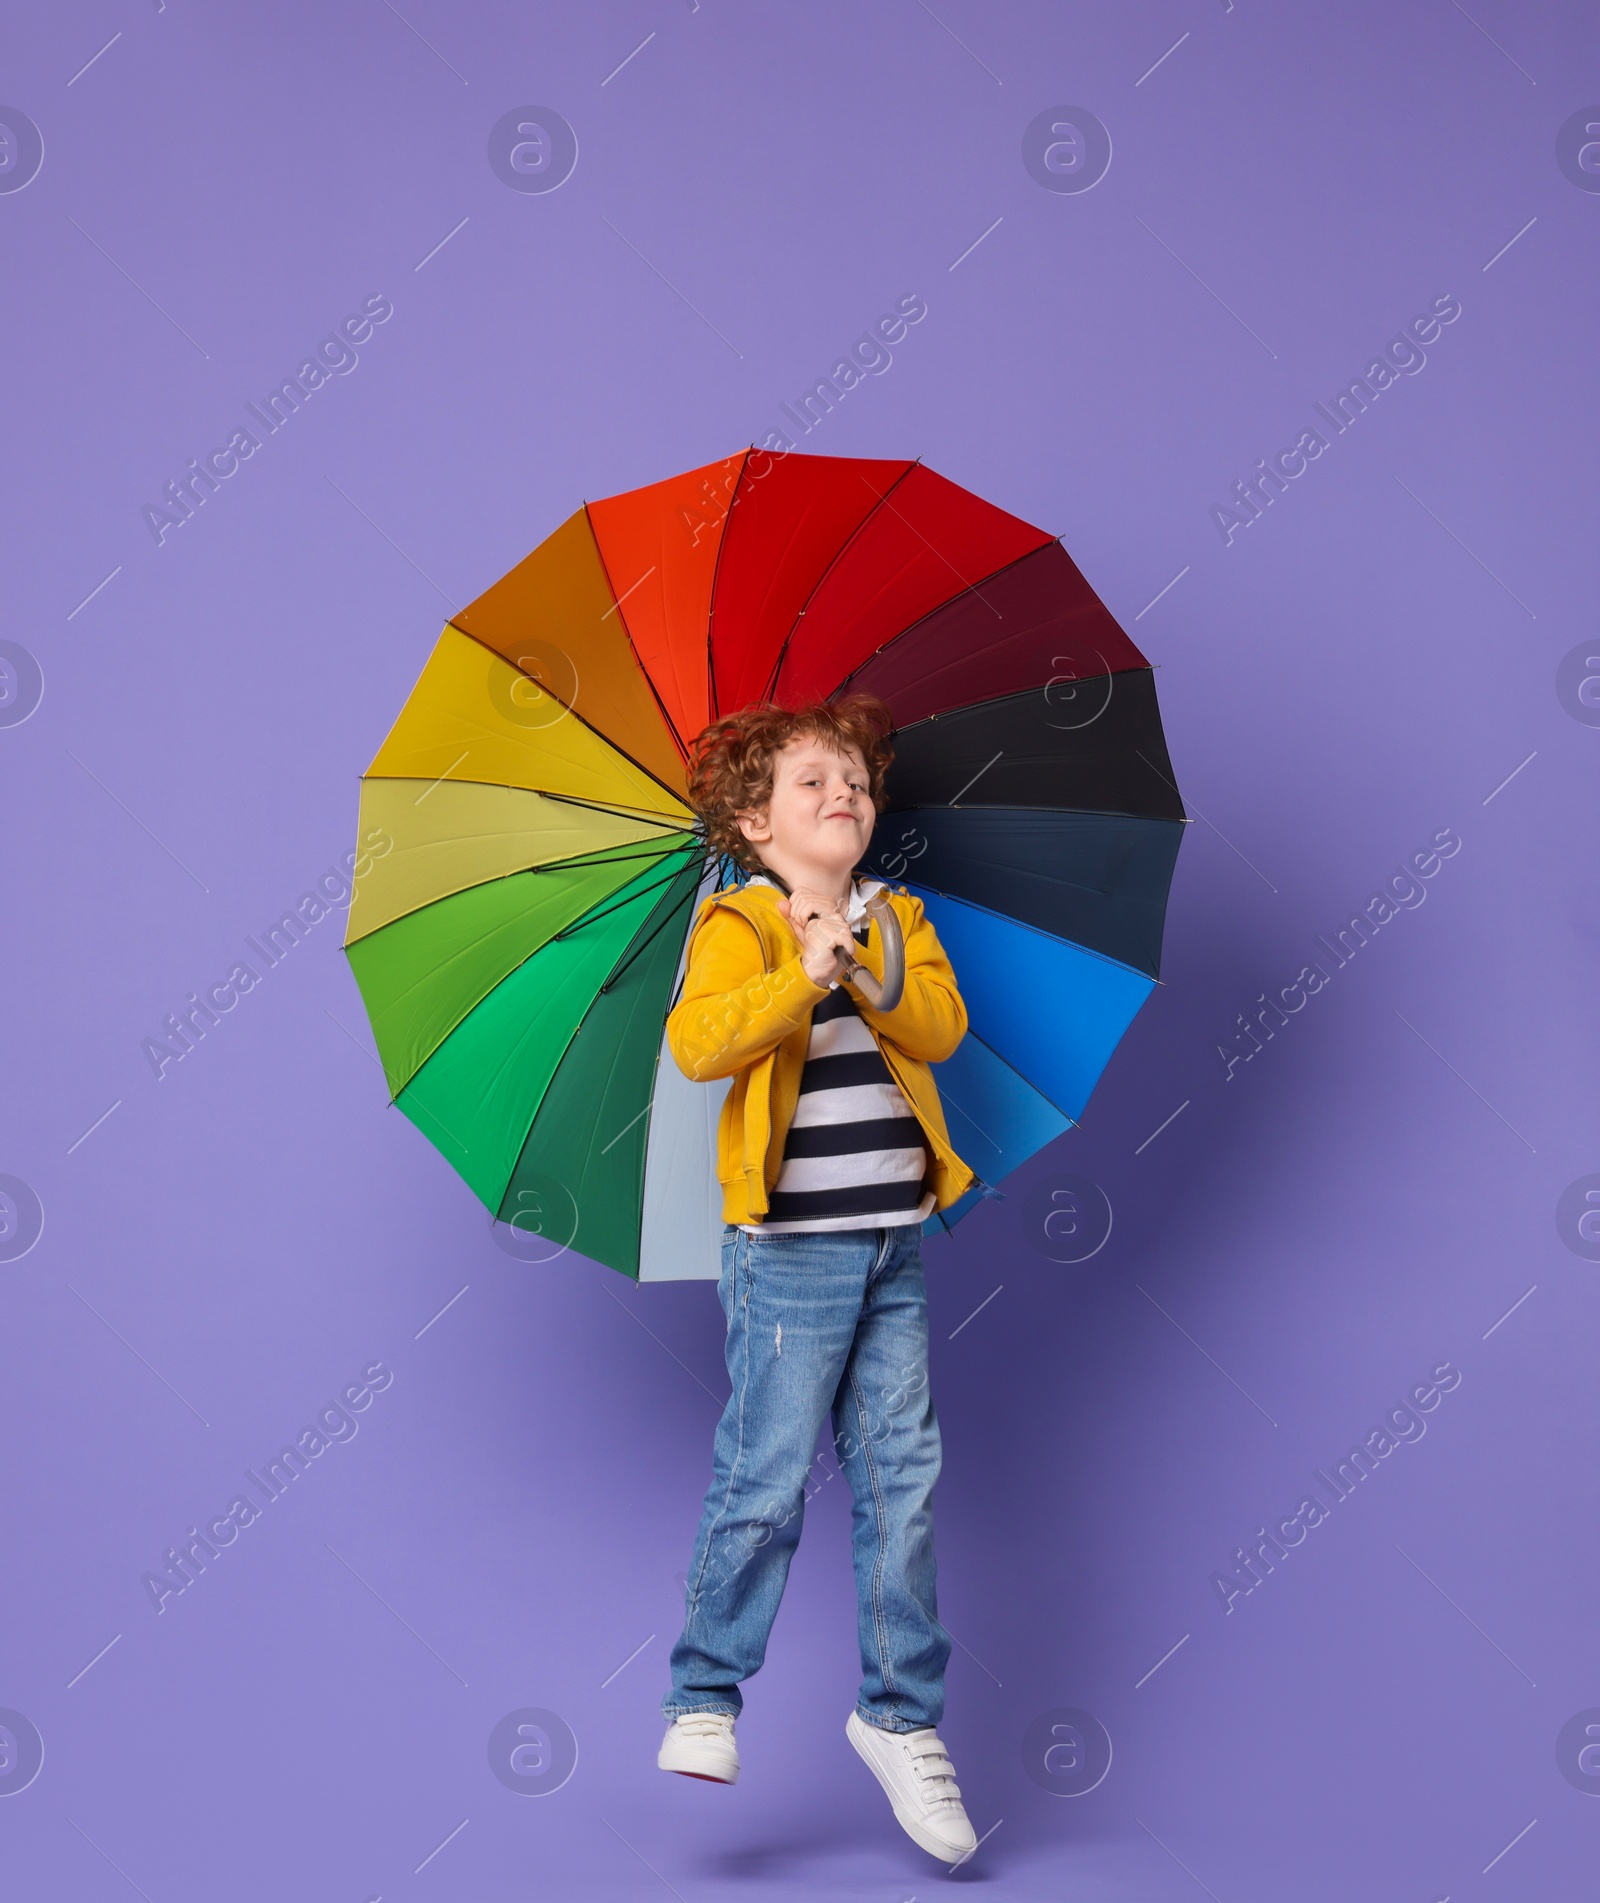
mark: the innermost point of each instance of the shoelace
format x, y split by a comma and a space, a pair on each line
927, 1751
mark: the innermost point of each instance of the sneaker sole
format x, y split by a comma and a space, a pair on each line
728, 1775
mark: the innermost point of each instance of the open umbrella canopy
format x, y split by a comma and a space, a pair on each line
519, 944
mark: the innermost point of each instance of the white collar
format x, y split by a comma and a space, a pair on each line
861, 890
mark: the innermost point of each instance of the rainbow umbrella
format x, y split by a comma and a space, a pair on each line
519, 939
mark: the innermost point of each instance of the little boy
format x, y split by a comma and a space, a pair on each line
832, 1150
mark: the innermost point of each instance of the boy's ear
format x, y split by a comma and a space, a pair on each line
755, 824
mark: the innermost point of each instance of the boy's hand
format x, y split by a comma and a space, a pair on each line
827, 944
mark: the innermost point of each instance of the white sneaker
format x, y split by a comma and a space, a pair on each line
915, 1769
700, 1744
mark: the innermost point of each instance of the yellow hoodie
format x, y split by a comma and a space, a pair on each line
745, 1013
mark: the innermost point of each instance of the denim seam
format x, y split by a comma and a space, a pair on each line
878, 1623
738, 1456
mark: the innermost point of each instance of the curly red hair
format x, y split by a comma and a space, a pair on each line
730, 763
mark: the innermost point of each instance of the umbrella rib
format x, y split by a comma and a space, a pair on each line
1042, 1094
623, 854
775, 564
716, 570
640, 941
664, 845
1018, 806
989, 700
594, 916
1024, 693
627, 635
589, 917
970, 589
608, 856
906, 633
1053, 878
1055, 938
599, 1098
604, 738
1041, 758
447, 959
726, 867
965, 584
599, 806
646, 937
650, 815
640, 944
833, 562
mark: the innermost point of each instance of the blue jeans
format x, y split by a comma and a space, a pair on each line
830, 1321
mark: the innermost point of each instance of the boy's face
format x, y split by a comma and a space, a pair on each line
819, 820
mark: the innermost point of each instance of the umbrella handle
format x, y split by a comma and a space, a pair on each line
885, 996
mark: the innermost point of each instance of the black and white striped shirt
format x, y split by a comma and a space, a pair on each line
854, 1156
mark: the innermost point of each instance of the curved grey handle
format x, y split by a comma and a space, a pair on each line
885, 996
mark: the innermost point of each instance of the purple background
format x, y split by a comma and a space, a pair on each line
1364, 1199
